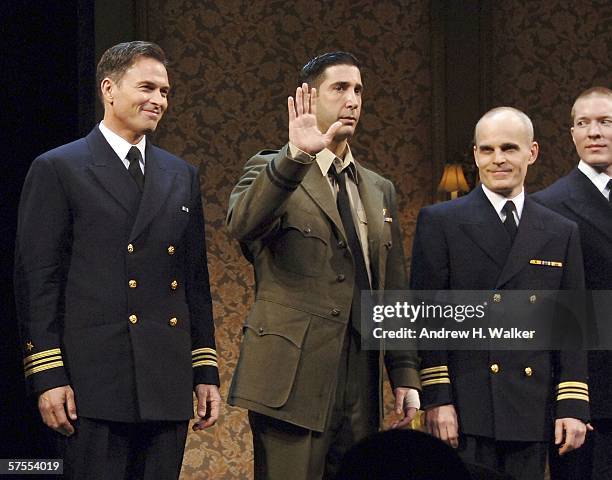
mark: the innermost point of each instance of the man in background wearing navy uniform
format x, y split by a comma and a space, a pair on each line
584, 197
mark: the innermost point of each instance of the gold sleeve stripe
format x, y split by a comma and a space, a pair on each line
201, 363
42, 360
573, 390
435, 381
434, 375
442, 368
573, 396
573, 384
44, 367
46, 353
204, 357
212, 351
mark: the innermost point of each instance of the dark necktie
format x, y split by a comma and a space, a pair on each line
509, 222
610, 191
362, 281
134, 157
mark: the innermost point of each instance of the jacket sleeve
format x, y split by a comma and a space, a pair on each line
197, 290
260, 197
572, 391
431, 271
402, 365
42, 256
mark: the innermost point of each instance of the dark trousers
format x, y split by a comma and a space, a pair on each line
592, 461
285, 451
520, 460
100, 449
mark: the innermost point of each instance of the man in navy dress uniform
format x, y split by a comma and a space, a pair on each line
500, 408
111, 285
584, 197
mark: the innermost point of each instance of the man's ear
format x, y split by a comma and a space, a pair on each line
107, 87
573, 138
533, 151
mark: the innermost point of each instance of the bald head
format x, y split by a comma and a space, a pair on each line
504, 149
506, 114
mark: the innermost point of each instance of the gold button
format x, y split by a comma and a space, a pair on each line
494, 368
533, 299
497, 297
173, 321
133, 318
132, 283
528, 371
130, 247
174, 285
171, 250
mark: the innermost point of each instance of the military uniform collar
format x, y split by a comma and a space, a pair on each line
325, 159
498, 201
599, 179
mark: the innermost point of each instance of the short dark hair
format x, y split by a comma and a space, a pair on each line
312, 71
118, 58
593, 91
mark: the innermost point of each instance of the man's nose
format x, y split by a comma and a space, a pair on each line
351, 100
499, 157
594, 129
157, 98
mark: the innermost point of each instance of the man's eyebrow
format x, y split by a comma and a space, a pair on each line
508, 145
344, 84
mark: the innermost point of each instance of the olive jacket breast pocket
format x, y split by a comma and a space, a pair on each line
301, 245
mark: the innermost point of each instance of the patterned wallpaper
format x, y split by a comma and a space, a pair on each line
235, 62
543, 54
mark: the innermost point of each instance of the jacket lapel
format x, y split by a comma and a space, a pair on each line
157, 187
373, 204
317, 187
589, 204
483, 226
111, 173
531, 237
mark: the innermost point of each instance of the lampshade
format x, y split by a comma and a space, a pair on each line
453, 179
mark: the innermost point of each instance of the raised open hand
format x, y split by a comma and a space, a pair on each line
303, 130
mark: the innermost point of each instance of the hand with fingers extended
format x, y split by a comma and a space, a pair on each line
441, 422
209, 404
57, 408
303, 130
570, 434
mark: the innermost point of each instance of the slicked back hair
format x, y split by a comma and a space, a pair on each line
518, 113
118, 58
312, 72
593, 91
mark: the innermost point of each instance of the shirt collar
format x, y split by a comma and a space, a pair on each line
325, 159
599, 179
498, 201
120, 145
